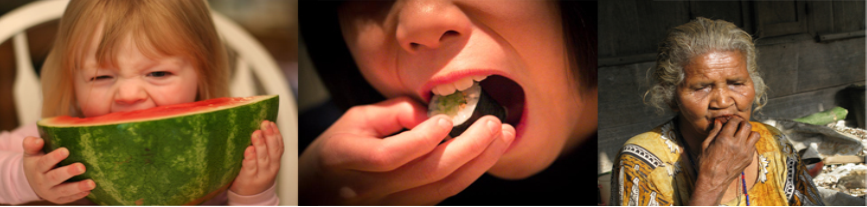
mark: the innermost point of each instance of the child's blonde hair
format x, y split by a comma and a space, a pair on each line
158, 27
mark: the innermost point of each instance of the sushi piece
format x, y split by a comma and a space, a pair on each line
465, 107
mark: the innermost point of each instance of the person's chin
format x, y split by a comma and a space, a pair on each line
518, 167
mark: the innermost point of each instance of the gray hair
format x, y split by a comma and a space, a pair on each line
696, 38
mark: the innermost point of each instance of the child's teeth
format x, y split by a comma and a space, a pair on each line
444, 89
464, 83
479, 78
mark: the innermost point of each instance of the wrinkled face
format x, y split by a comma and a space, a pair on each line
516, 50
135, 82
716, 84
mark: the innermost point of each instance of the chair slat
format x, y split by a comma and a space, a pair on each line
242, 83
27, 92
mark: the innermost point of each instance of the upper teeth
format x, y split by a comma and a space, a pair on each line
460, 85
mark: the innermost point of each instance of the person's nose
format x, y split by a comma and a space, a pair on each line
129, 92
430, 24
721, 98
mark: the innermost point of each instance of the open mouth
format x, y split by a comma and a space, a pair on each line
469, 98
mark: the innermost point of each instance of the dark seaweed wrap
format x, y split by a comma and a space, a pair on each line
486, 106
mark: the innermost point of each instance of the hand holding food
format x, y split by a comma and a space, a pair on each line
48, 181
360, 160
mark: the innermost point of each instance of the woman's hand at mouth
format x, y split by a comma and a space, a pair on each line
360, 160
727, 151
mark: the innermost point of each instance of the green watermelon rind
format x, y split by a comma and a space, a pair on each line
137, 164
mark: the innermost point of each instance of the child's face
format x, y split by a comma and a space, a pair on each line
410, 48
136, 82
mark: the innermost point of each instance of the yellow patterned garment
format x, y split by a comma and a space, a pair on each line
652, 169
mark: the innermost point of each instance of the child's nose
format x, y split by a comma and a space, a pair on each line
129, 93
430, 23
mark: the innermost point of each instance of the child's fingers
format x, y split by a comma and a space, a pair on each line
264, 127
33, 145
449, 156
380, 155
261, 149
461, 178
250, 167
274, 148
72, 198
279, 139
50, 160
73, 188
385, 118
57, 176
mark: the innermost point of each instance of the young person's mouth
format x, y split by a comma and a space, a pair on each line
496, 91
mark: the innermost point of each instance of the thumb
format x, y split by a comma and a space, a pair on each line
33, 145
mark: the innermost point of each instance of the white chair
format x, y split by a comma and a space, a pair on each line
252, 61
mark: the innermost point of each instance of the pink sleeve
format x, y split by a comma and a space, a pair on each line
266, 198
14, 188
13, 141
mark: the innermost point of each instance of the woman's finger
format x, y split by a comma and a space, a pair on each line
717, 126
379, 155
730, 127
753, 139
50, 160
459, 179
744, 131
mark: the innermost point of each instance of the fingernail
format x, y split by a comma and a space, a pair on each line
81, 168
64, 152
508, 136
91, 184
442, 122
493, 126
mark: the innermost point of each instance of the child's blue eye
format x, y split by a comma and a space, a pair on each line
102, 77
159, 74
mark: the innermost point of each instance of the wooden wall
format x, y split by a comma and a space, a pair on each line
808, 53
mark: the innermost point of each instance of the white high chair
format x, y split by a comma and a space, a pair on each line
252, 61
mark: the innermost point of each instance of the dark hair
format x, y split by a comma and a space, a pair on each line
320, 29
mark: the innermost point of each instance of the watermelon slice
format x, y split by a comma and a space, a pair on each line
170, 155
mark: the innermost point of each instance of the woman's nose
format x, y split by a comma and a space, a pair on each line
129, 92
721, 98
430, 23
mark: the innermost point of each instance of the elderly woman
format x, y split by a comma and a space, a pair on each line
710, 153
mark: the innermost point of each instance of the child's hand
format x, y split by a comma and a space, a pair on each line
261, 161
353, 162
47, 181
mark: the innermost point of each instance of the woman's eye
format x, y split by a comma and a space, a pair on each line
159, 74
102, 77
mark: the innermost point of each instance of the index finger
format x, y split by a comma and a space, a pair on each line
379, 155
383, 118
